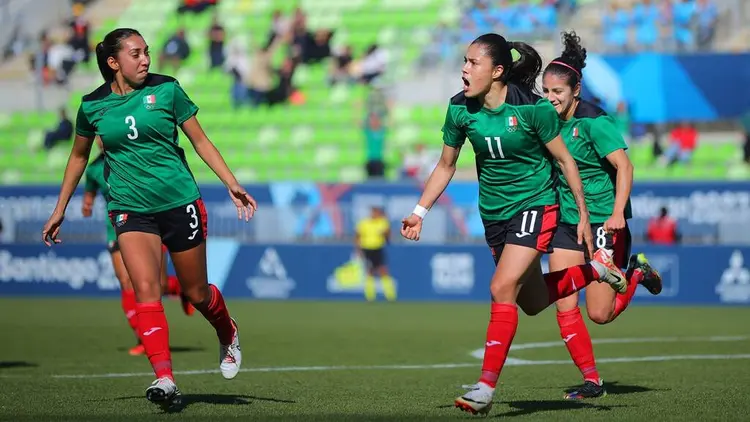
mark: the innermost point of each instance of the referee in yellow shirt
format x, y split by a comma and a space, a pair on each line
372, 235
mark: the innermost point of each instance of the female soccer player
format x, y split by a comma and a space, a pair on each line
170, 285
607, 173
153, 198
512, 130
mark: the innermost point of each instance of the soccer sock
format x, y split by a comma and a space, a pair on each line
127, 300
564, 283
215, 311
500, 333
623, 300
173, 286
154, 334
578, 341
371, 291
389, 287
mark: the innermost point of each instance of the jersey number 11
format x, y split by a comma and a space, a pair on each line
498, 144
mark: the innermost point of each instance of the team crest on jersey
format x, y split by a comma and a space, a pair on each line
512, 124
149, 101
121, 219
575, 132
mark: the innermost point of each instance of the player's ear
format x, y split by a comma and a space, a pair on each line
113, 63
577, 90
497, 72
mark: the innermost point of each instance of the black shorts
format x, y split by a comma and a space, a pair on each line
181, 228
619, 242
533, 228
113, 246
374, 258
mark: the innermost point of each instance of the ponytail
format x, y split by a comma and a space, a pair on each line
109, 47
527, 65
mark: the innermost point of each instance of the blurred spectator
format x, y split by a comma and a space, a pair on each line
707, 14
216, 36
318, 47
615, 25
683, 12
279, 26
375, 132
419, 163
340, 66
372, 64
284, 87
60, 59
662, 230
79, 40
260, 80
176, 50
195, 6
63, 131
646, 17
682, 142
238, 65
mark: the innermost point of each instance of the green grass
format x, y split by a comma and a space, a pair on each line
44, 338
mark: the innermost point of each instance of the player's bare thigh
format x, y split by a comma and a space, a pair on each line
511, 271
120, 272
141, 254
559, 260
190, 266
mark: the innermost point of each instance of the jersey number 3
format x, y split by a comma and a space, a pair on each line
497, 144
130, 121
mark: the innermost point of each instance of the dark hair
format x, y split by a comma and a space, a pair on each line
109, 47
572, 61
523, 71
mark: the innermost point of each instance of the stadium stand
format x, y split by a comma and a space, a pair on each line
317, 135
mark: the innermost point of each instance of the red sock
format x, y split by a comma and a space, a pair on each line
152, 325
173, 286
623, 300
215, 311
127, 300
578, 341
500, 333
564, 283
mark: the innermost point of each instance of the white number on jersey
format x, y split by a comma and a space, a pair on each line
133, 135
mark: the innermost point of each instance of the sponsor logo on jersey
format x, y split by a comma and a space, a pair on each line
512, 123
271, 280
734, 286
149, 101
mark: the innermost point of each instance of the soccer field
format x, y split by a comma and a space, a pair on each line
67, 360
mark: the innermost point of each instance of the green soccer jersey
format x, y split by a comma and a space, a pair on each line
513, 165
94, 182
144, 166
590, 136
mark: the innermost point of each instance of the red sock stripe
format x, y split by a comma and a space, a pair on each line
500, 333
204, 216
550, 219
578, 342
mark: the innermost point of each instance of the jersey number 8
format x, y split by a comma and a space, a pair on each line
601, 237
133, 135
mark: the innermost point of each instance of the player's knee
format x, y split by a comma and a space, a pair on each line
197, 294
599, 315
503, 291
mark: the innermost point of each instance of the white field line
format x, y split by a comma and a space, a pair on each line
510, 361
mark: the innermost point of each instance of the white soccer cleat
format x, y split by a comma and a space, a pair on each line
230, 355
478, 400
164, 392
612, 275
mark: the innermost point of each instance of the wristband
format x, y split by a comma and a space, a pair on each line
420, 211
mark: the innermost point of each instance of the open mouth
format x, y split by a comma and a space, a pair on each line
466, 83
